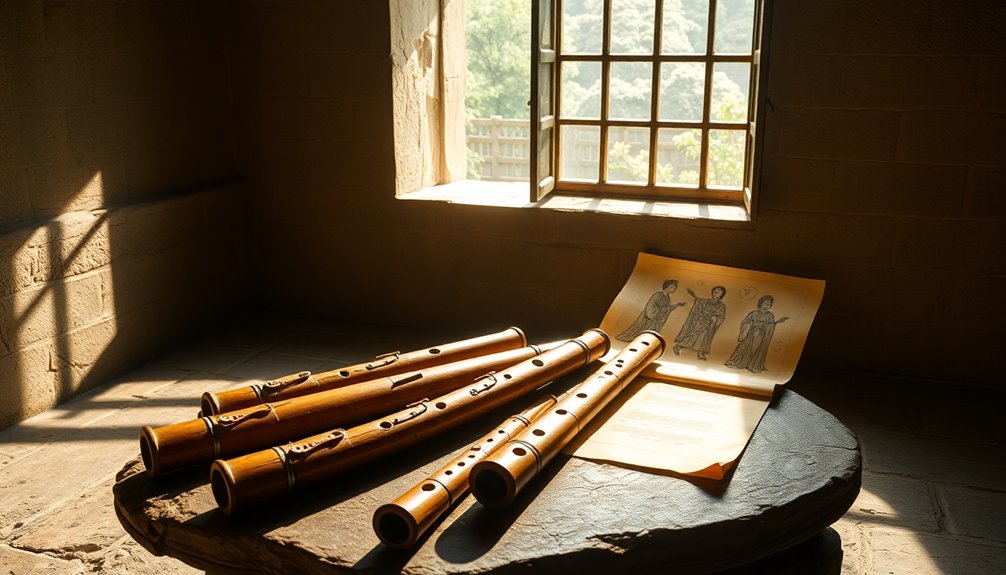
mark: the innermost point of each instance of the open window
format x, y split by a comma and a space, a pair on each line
622, 99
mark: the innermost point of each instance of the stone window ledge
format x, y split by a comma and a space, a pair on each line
515, 195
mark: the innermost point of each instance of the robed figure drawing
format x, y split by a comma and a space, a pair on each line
705, 317
755, 335
655, 314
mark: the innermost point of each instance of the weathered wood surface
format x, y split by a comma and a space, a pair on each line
800, 472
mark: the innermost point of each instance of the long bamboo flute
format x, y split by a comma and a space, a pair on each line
402, 522
244, 481
496, 480
212, 437
384, 365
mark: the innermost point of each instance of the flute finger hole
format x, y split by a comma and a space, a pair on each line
448, 472
538, 432
609, 372
434, 350
429, 487
633, 350
507, 376
519, 451
385, 425
537, 363
344, 373
440, 405
582, 395
561, 412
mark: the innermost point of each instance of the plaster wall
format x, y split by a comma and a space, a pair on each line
118, 219
884, 166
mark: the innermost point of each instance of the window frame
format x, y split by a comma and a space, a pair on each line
548, 47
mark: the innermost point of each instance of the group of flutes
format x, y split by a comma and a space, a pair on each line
266, 440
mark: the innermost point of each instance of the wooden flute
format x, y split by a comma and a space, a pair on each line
384, 365
244, 481
496, 480
402, 522
212, 437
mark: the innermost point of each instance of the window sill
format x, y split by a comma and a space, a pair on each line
514, 195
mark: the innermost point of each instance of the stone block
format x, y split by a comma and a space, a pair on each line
799, 183
948, 245
913, 456
70, 244
991, 86
75, 184
889, 188
21, 27
875, 81
48, 80
27, 386
74, 27
85, 357
904, 552
41, 136
974, 512
14, 203
987, 197
39, 314
895, 501
953, 137
869, 135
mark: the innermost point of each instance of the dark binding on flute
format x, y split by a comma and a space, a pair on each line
384, 365
202, 440
496, 480
402, 522
243, 482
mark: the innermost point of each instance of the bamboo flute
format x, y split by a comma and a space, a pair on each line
496, 480
402, 522
212, 437
384, 365
244, 481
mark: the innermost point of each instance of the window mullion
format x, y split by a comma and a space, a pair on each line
707, 98
658, 27
602, 166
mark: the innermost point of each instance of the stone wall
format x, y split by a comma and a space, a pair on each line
118, 227
884, 166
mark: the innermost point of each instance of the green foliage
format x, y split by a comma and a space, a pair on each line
498, 40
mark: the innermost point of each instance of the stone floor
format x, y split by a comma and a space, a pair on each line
934, 481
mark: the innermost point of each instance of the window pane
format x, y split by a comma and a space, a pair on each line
545, 154
628, 154
582, 29
581, 90
682, 86
734, 25
730, 92
726, 158
678, 152
632, 26
631, 90
580, 148
684, 28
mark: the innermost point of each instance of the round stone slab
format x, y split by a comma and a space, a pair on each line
800, 472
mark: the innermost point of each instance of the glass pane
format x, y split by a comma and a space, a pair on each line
684, 29
580, 147
632, 26
678, 152
582, 26
730, 92
734, 26
545, 24
628, 154
581, 90
726, 158
544, 154
682, 87
631, 90
545, 89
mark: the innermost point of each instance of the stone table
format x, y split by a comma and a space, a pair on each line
800, 472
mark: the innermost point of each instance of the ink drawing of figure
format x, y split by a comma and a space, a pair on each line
705, 317
755, 335
654, 315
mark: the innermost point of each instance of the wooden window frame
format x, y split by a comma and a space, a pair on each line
547, 59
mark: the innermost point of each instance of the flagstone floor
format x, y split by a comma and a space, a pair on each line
934, 480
